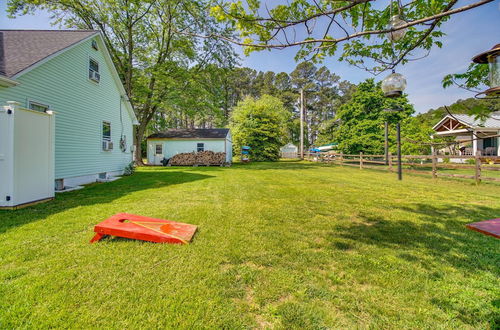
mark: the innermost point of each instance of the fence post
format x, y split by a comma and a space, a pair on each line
390, 161
341, 159
361, 160
478, 167
434, 164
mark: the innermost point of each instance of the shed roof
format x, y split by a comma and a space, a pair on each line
493, 121
21, 49
197, 133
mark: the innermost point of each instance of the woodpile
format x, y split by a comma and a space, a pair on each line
206, 158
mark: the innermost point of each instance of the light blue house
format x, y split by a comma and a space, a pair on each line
69, 74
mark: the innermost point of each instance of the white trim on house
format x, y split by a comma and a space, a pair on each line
41, 104
452, 118
86, 179
456, 131
91, 59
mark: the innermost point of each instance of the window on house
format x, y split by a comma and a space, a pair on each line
94, 70
200, 147
94, 44
38, 106
490, 142
106, 131
159, 149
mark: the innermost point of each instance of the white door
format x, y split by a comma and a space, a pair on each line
158, 151
33, 156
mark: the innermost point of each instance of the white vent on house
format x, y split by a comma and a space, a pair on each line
107, 145
103, 176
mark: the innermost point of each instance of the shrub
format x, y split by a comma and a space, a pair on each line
260, 124
129, 169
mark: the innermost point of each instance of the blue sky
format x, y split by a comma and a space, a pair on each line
468, 34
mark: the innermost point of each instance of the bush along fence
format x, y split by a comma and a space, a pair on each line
434, 165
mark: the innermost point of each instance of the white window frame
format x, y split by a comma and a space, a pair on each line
103, 139
98, 69
198, 146
40, 104
156, 148
102, 130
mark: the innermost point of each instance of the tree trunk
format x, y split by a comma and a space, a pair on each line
139, 135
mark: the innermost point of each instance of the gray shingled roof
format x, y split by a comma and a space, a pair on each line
201, 133
492, 122
20, 49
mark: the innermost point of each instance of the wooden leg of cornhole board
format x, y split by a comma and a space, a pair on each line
97, 237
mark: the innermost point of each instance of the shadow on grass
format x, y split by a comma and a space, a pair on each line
96, 194
435, 240
437, 232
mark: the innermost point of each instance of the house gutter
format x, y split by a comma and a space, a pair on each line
6, 82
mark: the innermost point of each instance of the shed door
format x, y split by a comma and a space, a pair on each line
33, 156
158, 152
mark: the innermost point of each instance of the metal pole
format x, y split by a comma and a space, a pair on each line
301, 123
398, 137
386, 145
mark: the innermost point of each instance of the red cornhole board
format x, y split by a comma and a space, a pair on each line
488, 227
145, 229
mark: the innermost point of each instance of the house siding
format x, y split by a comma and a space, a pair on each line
80, 106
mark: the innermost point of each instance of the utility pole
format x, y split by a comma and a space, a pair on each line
301, 123
386, 145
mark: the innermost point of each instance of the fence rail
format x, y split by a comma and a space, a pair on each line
416, 164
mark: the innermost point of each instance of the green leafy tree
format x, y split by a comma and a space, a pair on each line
472, 80
416, 137
356, 31
260, 124
318, 28
361, 120
326, 132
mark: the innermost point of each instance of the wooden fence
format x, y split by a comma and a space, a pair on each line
416, 164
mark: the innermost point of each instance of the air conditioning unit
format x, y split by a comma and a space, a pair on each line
94, 75
107, 145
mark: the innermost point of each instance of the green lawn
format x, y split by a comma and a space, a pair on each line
283, 245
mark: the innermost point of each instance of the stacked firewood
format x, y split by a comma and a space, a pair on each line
198, 158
